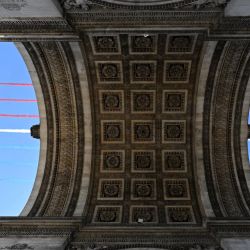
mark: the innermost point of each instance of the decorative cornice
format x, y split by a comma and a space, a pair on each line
35, 25
39, 226
189, 18
232, 228
166, 247
209, 3
75, 4
86, 5
18, 246
191, 240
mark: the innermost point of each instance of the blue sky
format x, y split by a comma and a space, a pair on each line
19, 153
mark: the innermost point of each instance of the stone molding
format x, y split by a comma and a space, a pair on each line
146, 4
226, 196
126, 239
68, 27
81, 20
59, 84
35, 25
207, 55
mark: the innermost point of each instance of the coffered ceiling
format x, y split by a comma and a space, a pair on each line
143, 85
144, 129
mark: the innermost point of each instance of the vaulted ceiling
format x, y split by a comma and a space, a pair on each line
144, 126
142, 85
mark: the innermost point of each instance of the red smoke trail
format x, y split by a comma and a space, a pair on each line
16, 100
19, 116
16, 84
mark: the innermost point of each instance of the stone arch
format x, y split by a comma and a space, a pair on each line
241, 130
59, 76
244, 133
221, 131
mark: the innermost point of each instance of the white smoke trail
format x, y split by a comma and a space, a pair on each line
21, 131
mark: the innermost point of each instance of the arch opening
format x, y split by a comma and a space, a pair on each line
248, 139
18, 113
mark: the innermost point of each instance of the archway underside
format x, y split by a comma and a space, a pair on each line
123, 169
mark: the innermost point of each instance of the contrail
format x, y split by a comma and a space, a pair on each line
19, 116
21, 131
3, 147
16, 100
16, 84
